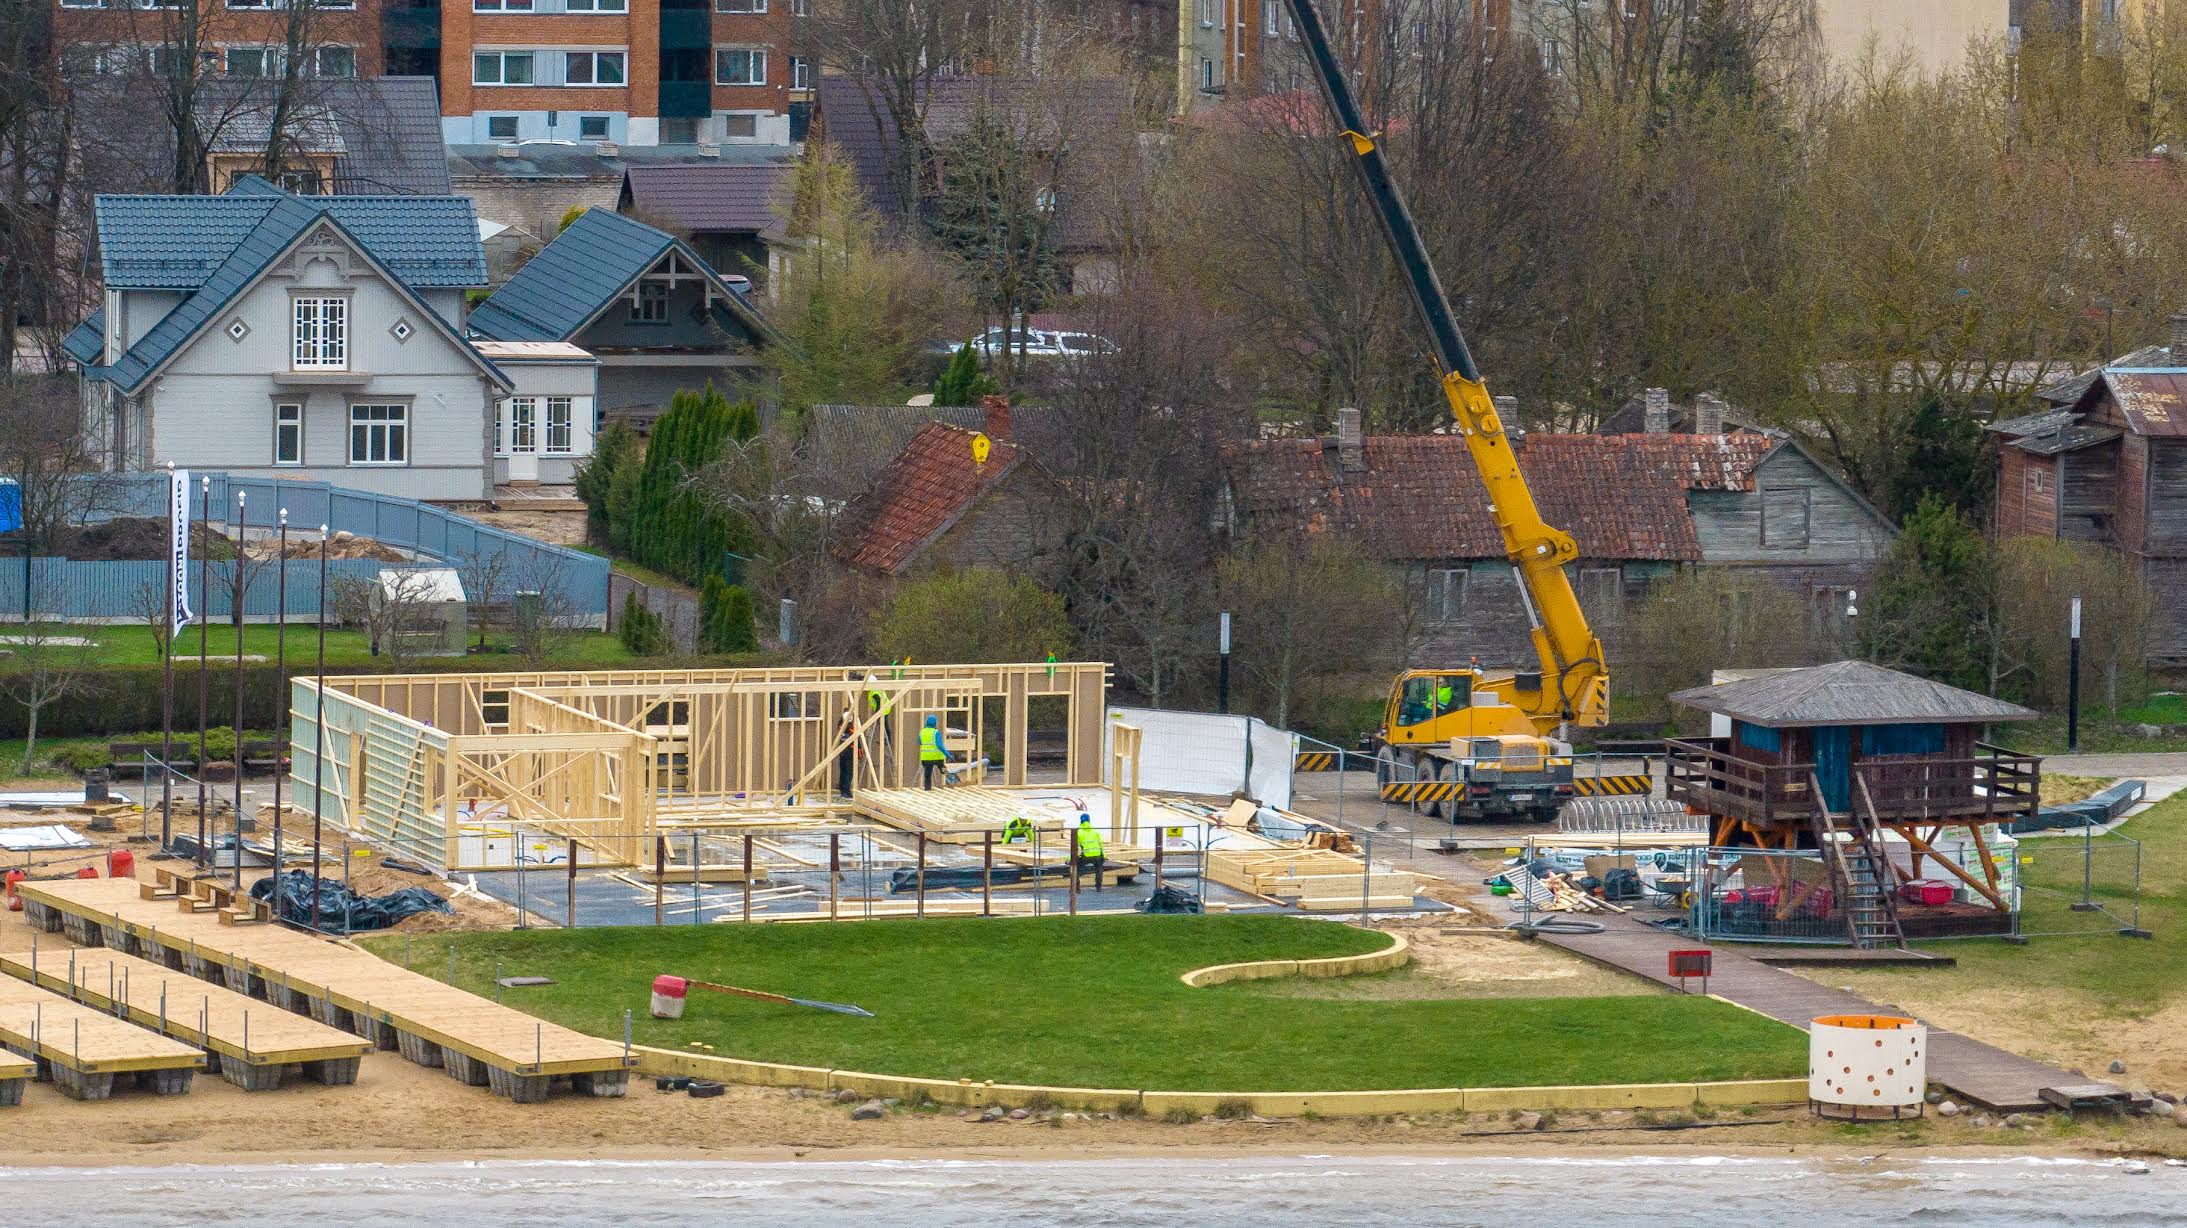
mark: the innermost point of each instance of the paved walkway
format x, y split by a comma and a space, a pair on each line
1983, 1074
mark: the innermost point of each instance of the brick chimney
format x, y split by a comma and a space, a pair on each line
2179, 337
1351, 442
1656, 411
1708, 414
997, 411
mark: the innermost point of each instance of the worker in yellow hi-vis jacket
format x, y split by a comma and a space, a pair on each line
931, 754
1087, 851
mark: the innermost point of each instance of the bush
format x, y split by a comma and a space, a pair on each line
82, 758
725, 618
640, 628
979, 614
616, 447
962, 382
670, 526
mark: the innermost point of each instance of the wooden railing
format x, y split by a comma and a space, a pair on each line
1995, 785
1706, 775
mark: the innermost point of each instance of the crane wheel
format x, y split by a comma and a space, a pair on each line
1432, 768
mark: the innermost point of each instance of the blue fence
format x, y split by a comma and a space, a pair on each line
117, 591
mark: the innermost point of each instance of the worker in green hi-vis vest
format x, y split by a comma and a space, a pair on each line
1087, 850
931, 754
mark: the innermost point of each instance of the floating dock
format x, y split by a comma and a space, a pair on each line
250, 1043
432, 1023
14, 1073
84, 1049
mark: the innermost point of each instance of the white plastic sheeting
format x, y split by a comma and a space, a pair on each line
1208, 753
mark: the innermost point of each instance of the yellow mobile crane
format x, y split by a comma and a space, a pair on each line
1473, 742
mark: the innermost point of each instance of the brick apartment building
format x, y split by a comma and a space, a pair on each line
627, 72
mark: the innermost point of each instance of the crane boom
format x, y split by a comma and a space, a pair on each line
1574, 683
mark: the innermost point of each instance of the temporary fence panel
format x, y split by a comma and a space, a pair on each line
134, 590
1209, 754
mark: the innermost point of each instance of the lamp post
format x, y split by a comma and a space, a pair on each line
178, 567
280, 691
1222, 675
242, 524
2073, 681
319, 732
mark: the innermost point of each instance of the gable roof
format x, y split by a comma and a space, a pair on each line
918, 497
588, 266
426, 248
1846, 693
1619, 496
181, 242
715, 196
2152, 401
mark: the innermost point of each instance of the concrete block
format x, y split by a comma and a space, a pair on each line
605, 1084
11, 1092
252, 1076
166, 1082
76, 1085
523, 1089
334, 1072
418, 1049
464, 1068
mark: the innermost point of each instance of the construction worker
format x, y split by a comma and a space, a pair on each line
846, 760
1018, 830
1086, 850
876, 700
931, 754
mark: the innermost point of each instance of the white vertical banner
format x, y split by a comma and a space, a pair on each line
178, 547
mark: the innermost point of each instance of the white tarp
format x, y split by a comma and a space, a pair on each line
35, 839
1208, 754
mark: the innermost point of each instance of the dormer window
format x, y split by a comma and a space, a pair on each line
321, 340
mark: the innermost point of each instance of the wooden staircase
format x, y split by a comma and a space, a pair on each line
1861, 869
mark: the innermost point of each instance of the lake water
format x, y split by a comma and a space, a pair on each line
1160, 1193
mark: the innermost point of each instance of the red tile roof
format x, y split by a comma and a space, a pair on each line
1619, 496
930, 485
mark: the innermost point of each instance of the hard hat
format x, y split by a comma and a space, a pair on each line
933, 719
1085, 819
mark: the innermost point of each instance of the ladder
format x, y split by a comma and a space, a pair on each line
1862, 871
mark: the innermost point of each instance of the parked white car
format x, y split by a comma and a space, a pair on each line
1030, 343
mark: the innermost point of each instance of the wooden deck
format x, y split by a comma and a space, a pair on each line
432, 1023
85, 1048
1983, 1074
254, 1042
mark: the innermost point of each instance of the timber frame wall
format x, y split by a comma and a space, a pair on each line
419, 763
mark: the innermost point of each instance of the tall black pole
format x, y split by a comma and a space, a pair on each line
242, 523
2073, 683
204, 634
319, 731
280, 691
177, 569
1222, 676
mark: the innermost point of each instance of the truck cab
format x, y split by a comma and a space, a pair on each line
1454, 726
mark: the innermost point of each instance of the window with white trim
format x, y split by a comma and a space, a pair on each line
83, 4
523, 425
598, 6
501, 68
592, 68
254, 61
801, 8
740, 66
288, 434
558, 426
335, 61
379, 434
592, 127
501, 127
321, 338
740, 6
501, 6
651, 306
801, 73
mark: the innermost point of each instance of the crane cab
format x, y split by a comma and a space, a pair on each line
1483, 756
1433, 707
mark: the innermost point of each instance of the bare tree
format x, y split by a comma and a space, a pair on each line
393, 609
897, 50
543, 618
1291, 601
48, 660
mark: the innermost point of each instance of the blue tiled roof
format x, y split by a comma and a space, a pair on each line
176, 242
413, 244
87, 340
584, 269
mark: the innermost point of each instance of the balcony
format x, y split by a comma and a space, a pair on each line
686, 29
686, 99
1995, 786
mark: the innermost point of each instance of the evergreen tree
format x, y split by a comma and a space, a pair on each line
672, 527
725, 617
962, 382
1944, 457
640, 628
615, 445
1932, 606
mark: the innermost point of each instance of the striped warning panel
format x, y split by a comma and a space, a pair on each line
1612, 786
1314, 761
1422, 790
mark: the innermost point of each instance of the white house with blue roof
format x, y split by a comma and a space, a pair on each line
654, 313
317, 337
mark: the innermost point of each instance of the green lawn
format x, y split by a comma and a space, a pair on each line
1095, 1001
135, 645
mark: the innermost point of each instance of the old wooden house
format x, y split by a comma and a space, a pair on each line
1641, 506
2109, 466
1852, 781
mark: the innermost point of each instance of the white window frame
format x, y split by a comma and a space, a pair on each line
649, 294
754, 57
269, 63
523, 424
387, 425
742, 8
729, 117
801, 8
597, 6
319, 333
801, 72
288, 420
319, 61
83, 4
562, 421
516, 126
501, 6
501, 59
593, 59
253, 4
606, 123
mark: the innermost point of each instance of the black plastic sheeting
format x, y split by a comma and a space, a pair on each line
1167, 899
338, 905
968, 878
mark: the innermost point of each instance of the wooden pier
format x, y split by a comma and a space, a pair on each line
251, 1044
84, 1049
430, 1022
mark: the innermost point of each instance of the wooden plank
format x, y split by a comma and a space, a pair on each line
183, 1007
82, 1038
